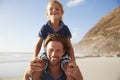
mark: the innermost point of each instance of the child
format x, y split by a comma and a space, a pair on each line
55, 25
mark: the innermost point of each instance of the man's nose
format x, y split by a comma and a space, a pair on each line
53, 53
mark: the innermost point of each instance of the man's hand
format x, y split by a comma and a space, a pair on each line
73, 73
35, 68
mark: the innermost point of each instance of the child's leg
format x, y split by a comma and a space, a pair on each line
65, 60
67, 63
43, 56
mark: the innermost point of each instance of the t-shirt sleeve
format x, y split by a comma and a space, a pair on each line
68, 33
41, 32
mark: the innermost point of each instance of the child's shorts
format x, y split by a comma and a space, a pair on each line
66, 58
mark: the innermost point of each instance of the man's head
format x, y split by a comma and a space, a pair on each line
56, 45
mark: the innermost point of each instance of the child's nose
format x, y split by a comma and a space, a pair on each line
54, 10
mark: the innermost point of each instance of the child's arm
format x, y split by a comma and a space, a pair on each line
71, 51
38, 47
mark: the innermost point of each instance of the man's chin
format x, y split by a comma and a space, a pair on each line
54, 62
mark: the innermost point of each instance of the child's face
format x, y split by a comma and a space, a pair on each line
54, 11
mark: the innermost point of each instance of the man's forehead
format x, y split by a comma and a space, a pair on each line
54, 44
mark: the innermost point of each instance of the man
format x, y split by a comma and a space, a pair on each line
56, 45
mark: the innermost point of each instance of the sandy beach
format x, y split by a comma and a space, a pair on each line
12, 78
98, 68
12, 71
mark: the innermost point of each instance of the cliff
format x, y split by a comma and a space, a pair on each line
103, 38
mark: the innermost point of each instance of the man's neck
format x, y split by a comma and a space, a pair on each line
55, 71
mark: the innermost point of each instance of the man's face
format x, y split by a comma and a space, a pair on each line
55, 52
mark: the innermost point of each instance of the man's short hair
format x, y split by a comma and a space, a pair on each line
59, 38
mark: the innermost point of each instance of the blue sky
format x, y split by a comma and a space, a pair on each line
20, 20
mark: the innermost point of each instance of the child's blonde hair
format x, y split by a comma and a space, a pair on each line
55, 1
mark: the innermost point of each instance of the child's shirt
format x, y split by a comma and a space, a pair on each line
48, 29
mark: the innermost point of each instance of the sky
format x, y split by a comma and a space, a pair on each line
21, 20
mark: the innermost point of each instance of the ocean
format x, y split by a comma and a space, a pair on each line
14, 63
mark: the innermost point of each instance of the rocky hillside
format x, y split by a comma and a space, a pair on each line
103, 38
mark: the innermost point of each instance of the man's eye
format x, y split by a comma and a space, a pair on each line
58, 51
50, 50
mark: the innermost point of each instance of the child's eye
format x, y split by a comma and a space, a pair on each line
57, 9
51, 8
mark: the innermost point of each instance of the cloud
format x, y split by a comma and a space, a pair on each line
72, 3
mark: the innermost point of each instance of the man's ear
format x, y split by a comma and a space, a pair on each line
64, 52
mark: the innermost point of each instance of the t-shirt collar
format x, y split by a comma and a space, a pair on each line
60, 26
